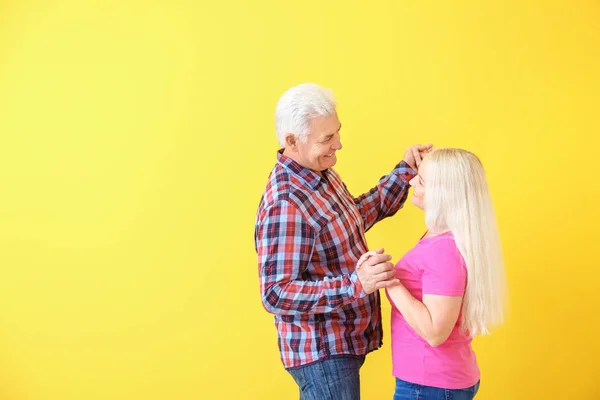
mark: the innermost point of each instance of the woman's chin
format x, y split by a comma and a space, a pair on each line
416, 203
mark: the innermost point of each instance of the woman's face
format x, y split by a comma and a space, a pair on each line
418, 184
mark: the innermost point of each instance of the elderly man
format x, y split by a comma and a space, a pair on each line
309, 235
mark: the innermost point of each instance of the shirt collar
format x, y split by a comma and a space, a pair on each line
310, 177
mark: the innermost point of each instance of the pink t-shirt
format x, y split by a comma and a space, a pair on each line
433, 266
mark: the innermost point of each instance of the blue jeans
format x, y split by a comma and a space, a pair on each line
412, 391
334, 378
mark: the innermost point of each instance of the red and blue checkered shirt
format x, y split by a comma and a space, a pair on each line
309, 234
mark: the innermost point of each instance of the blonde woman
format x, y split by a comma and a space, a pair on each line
452, 281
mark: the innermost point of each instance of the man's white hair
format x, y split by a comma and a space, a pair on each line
297, 106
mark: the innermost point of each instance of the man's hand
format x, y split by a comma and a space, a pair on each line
375, 271
414, 155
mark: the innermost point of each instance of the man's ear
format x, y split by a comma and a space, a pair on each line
291, 142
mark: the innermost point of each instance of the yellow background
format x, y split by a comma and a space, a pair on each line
137, 136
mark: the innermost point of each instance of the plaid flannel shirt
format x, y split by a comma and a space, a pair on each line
309, 234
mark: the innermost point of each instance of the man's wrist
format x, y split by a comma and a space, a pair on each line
405, 170
359, 290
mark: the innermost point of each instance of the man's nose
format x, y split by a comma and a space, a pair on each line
338, 145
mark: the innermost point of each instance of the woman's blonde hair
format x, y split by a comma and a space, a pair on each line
457, 199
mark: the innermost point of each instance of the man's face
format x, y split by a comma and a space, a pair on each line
318, 153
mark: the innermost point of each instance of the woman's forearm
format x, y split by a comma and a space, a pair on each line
414, 312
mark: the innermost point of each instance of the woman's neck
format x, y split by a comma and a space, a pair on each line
431, 233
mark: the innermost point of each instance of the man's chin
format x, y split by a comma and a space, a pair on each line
329, 162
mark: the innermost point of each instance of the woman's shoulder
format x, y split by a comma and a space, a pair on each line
440, 247
442, 240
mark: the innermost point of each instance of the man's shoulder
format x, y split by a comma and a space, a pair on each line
278, 186
285, 189
284, 185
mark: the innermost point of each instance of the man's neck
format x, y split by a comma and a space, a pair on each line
290, 154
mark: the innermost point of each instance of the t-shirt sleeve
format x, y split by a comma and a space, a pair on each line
444, 270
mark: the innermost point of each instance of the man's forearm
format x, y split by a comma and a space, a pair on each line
311, 297
387, 197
